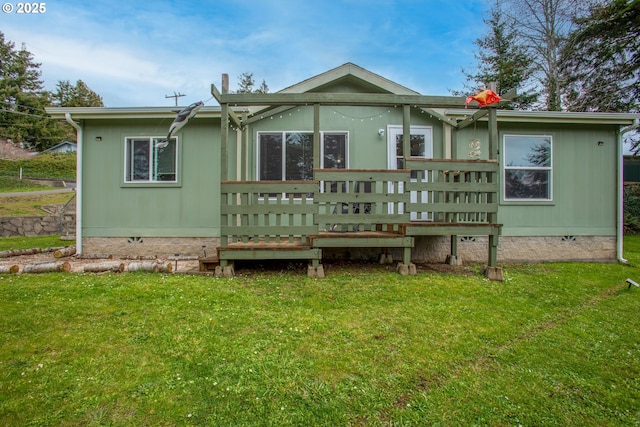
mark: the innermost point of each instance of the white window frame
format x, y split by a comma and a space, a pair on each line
153, 157
506, 168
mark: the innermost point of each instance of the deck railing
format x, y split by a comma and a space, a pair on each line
361, 200
454, 191
450, 191
268, 211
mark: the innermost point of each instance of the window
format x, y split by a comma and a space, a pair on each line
148, 160
289, 155
527, 167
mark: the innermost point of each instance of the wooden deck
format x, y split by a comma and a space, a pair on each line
357, 209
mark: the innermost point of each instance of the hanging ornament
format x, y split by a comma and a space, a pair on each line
484, 98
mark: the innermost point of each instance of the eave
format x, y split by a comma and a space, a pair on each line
86, 113
564, 117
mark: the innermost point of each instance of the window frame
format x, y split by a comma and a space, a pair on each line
506, 168
126, 182
283, 160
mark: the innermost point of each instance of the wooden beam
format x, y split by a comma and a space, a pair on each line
256, 117
316, 136
353, 99
406, 134
473, 118
232, 115
442, 117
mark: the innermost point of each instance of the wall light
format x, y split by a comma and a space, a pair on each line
600, 143
98, 138
381, 132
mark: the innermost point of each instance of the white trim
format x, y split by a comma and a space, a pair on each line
545, 168
152, 160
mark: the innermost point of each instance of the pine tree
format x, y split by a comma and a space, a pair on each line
22, 99
503, 61
602, 59
78, 95
246, 84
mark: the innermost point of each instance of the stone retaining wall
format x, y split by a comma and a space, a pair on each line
46, 225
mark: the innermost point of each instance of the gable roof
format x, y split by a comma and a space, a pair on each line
352, 76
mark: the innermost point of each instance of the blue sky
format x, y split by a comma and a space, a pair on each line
133, 53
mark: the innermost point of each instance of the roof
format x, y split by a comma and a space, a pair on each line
126, 112
355, 76
71, 147
349, 77
623, 119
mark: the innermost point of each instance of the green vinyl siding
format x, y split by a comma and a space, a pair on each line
584, 186
187, 208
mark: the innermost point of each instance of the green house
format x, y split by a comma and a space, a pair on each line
350, 164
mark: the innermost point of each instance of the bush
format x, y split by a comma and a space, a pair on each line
45, 166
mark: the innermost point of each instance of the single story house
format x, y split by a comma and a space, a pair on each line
350, 164
63, 147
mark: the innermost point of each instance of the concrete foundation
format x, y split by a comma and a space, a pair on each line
427, 249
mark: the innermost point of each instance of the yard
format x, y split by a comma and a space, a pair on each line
554, 344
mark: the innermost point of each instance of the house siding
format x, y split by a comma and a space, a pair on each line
113, 209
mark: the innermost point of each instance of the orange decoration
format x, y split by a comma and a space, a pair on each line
486, 97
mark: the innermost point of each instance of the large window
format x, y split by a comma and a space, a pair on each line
527, 167
289, 155
149, 159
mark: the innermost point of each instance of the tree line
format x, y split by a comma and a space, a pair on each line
560, 55
23, 100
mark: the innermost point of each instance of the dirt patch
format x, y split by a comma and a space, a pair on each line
13, 151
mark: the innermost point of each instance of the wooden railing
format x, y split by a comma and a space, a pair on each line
454, 191
268, 211
361, 200
445, 191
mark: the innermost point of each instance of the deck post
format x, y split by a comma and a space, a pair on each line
406, 133
492, 271
316, 136
224, 131
244, 168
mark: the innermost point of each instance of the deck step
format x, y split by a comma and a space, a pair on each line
208, 263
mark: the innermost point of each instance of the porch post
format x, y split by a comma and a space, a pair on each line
224, 131
406, 133
245, 149
492, 271
316, 136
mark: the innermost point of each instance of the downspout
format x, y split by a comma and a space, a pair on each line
79, 138
620, 228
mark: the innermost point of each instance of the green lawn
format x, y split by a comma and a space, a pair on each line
554, 344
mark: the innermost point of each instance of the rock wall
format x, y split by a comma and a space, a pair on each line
63, 224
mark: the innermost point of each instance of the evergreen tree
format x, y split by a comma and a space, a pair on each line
22, 99
602, 59
78, 95
246, 84
503, 61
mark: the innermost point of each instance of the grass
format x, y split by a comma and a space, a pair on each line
31, 205
554, 344
28, 242
11, 184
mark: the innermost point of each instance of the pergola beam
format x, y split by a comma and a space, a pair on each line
351, 99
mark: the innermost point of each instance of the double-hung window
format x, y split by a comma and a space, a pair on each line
527, 168
285, 156
151, 159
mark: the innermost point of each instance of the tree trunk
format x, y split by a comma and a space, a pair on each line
100, 267
64, 252
19, 252
4, 269
46, 267
153, 266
